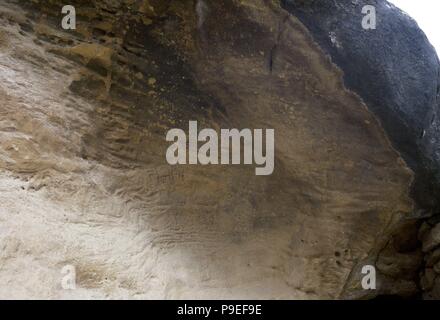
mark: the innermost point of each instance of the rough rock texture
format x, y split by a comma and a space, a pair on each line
429, 275
84, 180
394, 69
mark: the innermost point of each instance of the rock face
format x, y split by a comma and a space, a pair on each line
84, 180
396, 72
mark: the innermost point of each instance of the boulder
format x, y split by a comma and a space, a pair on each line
85, 182
432, 240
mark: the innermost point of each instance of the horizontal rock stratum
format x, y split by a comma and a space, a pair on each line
85, 182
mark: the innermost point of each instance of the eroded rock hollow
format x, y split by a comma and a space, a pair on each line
84, 180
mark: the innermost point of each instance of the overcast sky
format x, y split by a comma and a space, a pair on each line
427, 15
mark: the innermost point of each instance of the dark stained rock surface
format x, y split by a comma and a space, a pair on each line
394, 69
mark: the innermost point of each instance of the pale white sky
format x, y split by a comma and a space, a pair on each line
427, 15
